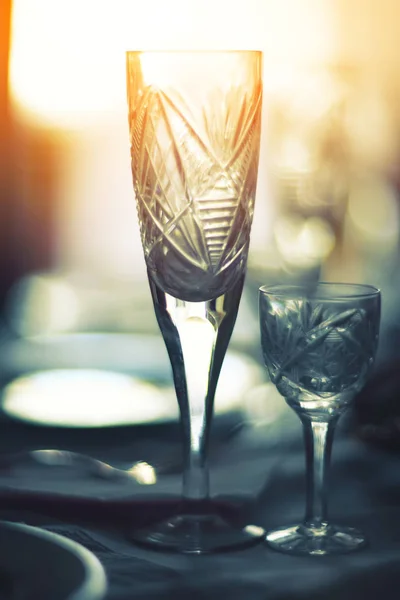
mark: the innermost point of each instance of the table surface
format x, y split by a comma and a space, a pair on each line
258, 469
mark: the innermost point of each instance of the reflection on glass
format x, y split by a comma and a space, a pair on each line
195, 120
319, 345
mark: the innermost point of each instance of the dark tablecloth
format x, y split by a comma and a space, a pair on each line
256, 471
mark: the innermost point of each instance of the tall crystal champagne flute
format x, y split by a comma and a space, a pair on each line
195, 121
319, 345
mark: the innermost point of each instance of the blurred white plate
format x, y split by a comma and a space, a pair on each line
69, 381
38, 564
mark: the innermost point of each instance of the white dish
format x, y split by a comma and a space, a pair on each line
38, 564
78, 381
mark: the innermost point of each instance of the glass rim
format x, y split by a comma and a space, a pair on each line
192, 51
358, 290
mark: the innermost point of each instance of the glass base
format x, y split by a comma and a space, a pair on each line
197, 534
321, 541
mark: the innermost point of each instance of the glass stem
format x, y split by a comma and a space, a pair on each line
318, 437
196, 335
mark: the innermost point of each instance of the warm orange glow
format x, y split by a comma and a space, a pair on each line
67, 58
59, 68
67, 72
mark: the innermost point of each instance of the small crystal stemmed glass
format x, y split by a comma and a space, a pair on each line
319, 346
195, 121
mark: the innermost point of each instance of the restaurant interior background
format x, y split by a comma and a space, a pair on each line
73, 286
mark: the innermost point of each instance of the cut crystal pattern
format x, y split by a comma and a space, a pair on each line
315, 350
195, 178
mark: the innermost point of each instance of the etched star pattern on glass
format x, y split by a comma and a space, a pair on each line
319, 346
195, 121
195, 172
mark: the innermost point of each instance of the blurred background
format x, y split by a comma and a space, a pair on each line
73, 287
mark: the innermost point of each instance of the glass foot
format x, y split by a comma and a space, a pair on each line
325, 540
197, 534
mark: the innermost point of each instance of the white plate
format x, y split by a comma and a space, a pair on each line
38, 564
69, 381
